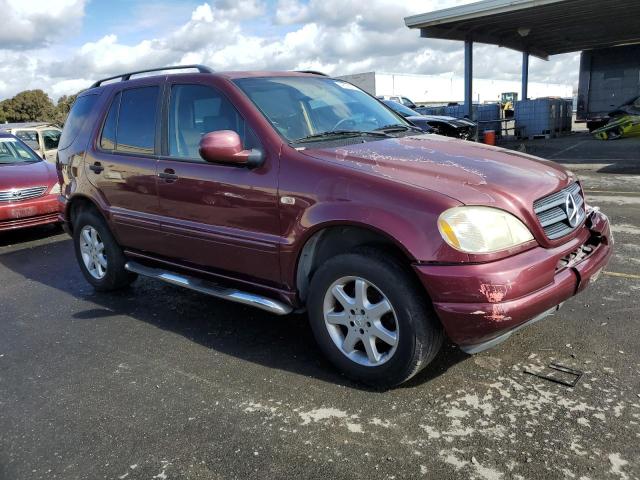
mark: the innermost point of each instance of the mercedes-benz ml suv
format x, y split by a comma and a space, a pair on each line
293, 191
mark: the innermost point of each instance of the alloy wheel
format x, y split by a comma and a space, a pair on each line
361, 321
92, 251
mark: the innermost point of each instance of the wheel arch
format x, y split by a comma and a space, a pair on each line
78, 204
328, 240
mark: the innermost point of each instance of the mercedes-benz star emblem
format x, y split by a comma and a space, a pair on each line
572, 211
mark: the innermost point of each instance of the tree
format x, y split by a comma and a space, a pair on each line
29, 106
62, 108
3, 113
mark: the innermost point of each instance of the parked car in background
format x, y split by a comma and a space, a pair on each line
399, 99
43, 138
440, 124
29, 186
289, 191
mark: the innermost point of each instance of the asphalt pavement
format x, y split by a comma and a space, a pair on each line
155, 382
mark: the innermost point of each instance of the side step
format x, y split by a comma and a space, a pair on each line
209, 288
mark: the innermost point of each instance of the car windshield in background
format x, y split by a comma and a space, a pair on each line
28, 136
12, 151
316, 109
401, 109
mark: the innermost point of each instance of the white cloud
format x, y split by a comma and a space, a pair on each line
329, 35
36, 23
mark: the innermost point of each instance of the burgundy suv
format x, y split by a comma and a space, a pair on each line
295, 191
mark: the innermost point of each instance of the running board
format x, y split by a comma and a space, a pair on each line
209, 288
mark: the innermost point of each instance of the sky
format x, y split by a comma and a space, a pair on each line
62, 46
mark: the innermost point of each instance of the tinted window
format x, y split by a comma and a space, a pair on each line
51, 139
77, 118
136, 129
195, 110
108, 137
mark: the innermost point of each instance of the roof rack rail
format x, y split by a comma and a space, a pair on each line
314, 72
127, 76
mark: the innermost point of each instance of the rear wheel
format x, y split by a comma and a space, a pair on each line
100, 257
371, 319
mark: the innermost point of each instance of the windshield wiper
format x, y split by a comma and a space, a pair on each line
397, 127
340, 133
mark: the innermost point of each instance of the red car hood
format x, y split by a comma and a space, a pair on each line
23, 175
471, 173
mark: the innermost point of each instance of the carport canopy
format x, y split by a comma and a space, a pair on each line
538, 27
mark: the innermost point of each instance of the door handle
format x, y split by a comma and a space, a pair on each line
169, 174
96, 167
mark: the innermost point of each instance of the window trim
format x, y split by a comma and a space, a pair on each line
105, 113
164, 155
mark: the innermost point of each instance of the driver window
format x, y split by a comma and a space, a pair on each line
195, 110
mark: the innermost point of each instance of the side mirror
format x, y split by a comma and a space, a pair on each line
225, 146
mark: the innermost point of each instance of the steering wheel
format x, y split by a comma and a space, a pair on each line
344, 120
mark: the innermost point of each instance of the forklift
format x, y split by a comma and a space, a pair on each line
507, 103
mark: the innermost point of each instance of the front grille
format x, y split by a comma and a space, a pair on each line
561, 212
18, 195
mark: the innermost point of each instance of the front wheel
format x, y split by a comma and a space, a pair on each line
371, 319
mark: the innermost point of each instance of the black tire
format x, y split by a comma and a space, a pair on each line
420, 334
115, 276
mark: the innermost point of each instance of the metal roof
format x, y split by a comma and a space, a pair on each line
540, 27
9, 126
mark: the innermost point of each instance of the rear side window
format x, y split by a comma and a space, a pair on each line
77, 118
136, 124
108, 137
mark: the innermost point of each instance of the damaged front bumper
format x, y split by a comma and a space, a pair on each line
481, 305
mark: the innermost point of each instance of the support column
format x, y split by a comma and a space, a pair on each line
468, 78
525, 75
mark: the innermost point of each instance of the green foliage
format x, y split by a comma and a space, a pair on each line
31, 106
35, 106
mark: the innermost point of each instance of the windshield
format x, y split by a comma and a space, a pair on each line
401, 109
301, 107
13, 151
31, 137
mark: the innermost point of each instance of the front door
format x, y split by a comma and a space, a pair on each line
221, 217
123, 165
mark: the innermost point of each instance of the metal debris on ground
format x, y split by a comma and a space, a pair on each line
575, 374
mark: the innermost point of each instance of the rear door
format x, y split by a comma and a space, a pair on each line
220, 217
122, 164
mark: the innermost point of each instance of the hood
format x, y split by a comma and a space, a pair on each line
471, 173
24, 175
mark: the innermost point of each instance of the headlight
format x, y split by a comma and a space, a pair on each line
55, 190
481, 229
